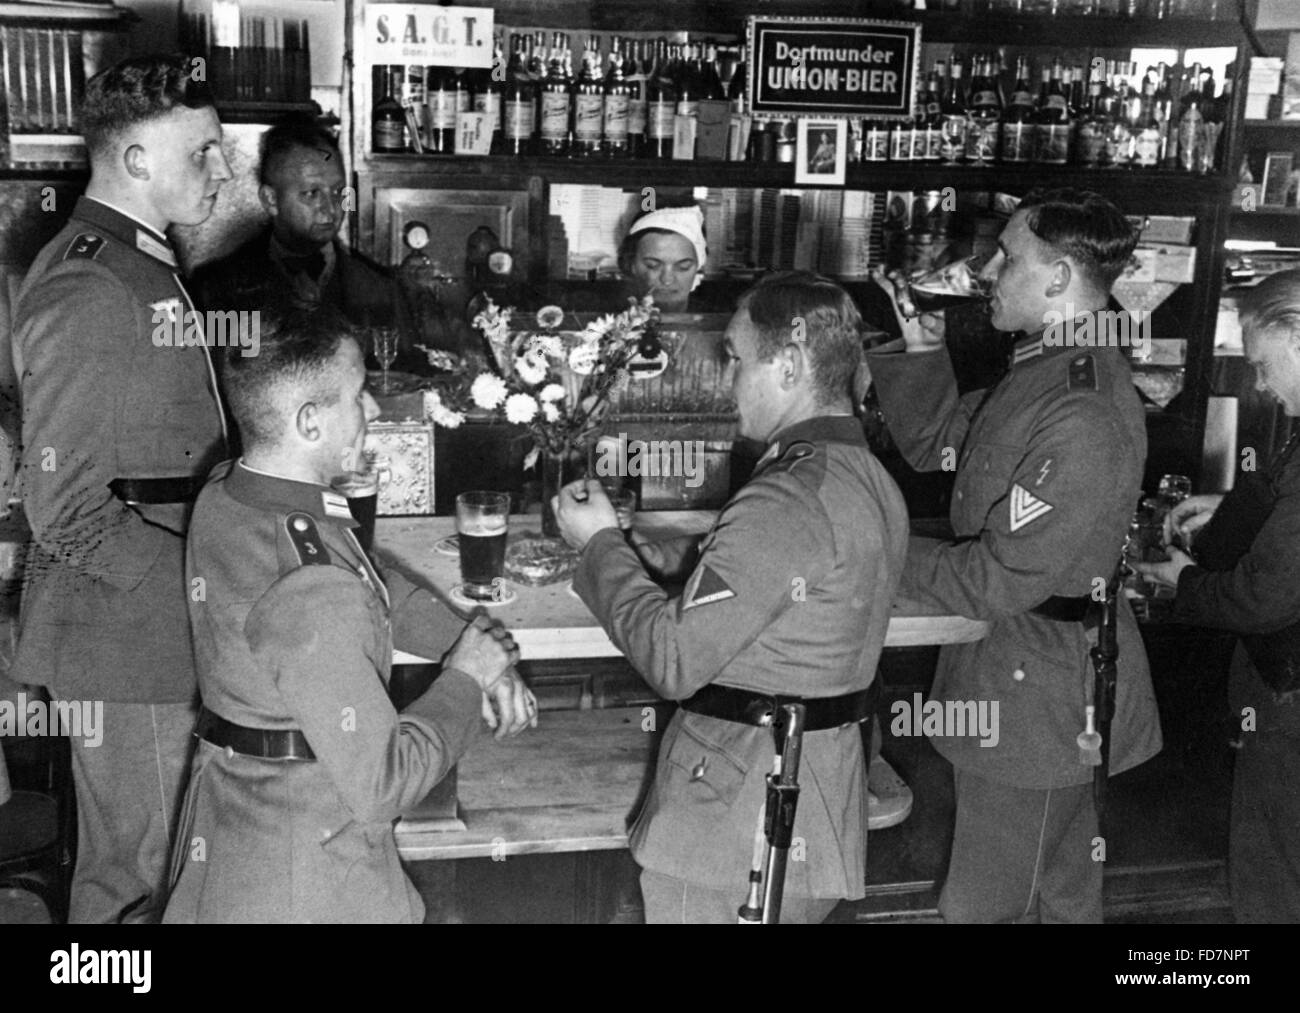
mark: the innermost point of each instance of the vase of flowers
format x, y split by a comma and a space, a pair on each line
556, 384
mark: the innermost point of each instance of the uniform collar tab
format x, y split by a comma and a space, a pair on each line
286, 495
126, 228
819, 429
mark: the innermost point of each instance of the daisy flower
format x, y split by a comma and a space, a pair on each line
530, 370
520, 409
552, 392
488, 390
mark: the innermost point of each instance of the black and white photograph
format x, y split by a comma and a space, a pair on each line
821, 151
889, 516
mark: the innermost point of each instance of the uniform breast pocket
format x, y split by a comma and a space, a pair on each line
985, 478
709, 760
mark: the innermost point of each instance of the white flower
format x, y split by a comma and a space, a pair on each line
488, 390
520, 409
597, 329
530, 370
445, 417
549, 412
552, 392
583, 359
550, 317
549, 345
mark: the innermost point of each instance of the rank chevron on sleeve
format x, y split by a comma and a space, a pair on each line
1026, 507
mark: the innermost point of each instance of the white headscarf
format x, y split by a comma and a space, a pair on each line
686, 222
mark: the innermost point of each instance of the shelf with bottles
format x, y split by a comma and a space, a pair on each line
85, 16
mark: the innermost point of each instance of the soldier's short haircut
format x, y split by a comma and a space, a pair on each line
284, 139
799, 307
1272, 305
136, 91
1084, 226
295, 363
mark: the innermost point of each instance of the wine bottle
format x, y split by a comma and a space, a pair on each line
617, 101
1090, 137
662, 105
1146, 139
555, 97
953, 125
519, 102
387, 118
984, 116
1052, 122
588, 102
1018, 120
635, 72
441, 98
933, 115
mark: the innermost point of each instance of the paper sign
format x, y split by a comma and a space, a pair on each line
473, 133
428, 35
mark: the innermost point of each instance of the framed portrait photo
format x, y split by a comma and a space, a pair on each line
821, 152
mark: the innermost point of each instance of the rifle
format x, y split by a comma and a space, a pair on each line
767, 877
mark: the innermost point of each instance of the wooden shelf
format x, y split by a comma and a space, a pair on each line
1162, 188
264, 112
1272, 124
85, 16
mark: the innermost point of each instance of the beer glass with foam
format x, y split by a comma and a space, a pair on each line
481, 523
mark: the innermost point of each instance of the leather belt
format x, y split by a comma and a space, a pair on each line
263, 743
153, 491
1080, 609
747, 707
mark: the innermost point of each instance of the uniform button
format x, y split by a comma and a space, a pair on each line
1018, 675
189, 453
300, 523
697, 772
959, 494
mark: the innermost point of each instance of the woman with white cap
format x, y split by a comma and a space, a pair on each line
664, 254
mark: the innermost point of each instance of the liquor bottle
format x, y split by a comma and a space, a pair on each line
635, 72
918, 129
1146, 139
1052, 122
1131, 111
553, 135
662, 105
618, 99
387, 118
1191, 125
519, 102
933, 115
1114, 152
1163, 109
984, 116
1090, 137
441, 98
589, 102
900, 140
875, 141
1018, 119
689, 85
953, 110
487, 98
537, 71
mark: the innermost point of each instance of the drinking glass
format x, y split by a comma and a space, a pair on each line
481, 522
361, 488
623, 500
384, 344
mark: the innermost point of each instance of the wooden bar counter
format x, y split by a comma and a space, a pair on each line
571, 784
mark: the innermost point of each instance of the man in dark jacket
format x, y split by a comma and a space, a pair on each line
1256, 594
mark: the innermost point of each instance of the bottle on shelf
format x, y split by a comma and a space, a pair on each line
537, 72
1052, 120
661, 98
635, 72
984, 116
1191, 125
1018, 118
875, 141
1146, 139
553, 136
1090, 133
736, 88
589, 103
690, 87
487, 97
387, 118
1163, 108
711, 83
900, 140
952, 128
615, 111
933, 115
1114, 152
519, 102
442, 98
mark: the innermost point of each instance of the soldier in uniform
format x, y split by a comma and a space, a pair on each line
1048, 467
788, 597
303, 764
119, 432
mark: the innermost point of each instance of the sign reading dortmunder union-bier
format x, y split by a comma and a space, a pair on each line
832, 66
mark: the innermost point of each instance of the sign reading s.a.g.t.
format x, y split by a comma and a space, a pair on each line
832, 66
424, 34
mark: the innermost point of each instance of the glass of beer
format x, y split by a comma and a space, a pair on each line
361, 488
481, 522
623, 500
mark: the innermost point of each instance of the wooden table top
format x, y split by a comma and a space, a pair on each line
568, 785
552, 622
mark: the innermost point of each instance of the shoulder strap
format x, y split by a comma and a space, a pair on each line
306, 540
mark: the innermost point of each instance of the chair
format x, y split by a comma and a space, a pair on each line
30, 859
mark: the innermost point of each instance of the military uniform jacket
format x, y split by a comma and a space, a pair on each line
1048, 469
103, 610
790, 594
280, 645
